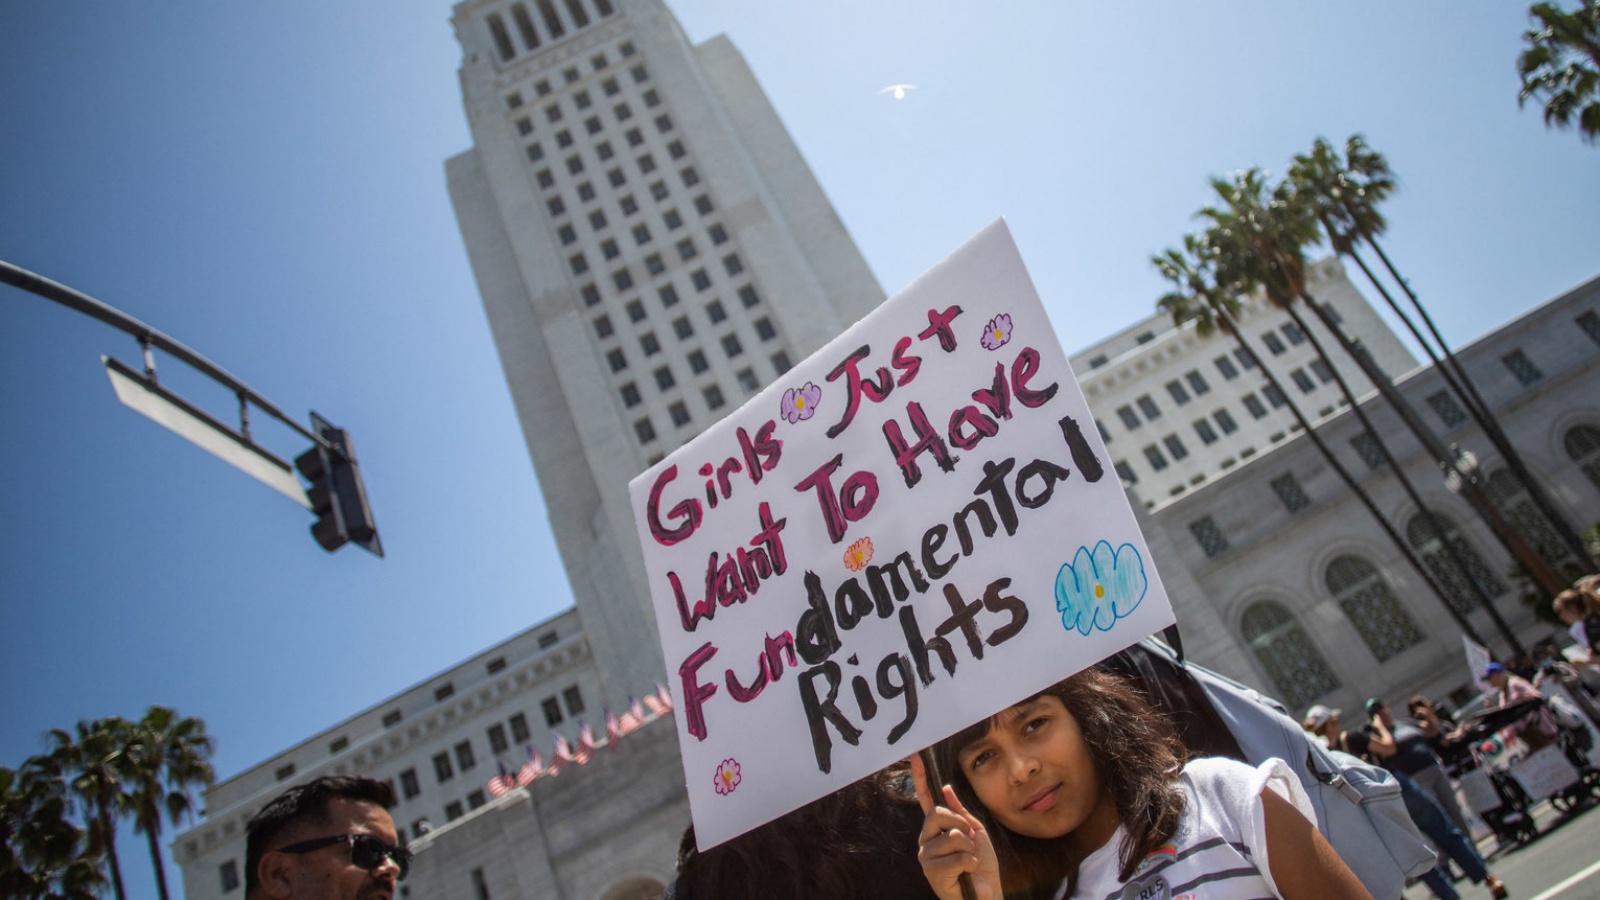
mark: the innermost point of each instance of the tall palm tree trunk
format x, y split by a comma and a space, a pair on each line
1232, 327
1471, 489
1467, 390
155, 861
108, 831
1405, 480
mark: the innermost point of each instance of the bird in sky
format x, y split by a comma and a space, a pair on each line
898, 90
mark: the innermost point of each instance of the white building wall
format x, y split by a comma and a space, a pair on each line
609, 166
1274, 554
610, 829
1135, 372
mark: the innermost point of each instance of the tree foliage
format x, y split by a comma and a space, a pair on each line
1561, 66
59, 811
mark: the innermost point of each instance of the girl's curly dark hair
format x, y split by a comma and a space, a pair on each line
1137, 758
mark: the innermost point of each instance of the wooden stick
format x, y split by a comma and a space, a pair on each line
936, 783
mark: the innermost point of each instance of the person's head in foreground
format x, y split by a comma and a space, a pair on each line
327, 839
1571, 605
1038, 787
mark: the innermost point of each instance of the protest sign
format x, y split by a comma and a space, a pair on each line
912, 529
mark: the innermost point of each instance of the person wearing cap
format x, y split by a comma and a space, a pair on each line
1402, 747
1317, 723
1538, 729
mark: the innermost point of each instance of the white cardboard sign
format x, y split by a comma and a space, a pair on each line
912, 529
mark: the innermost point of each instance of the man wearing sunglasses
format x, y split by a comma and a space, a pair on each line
327, 839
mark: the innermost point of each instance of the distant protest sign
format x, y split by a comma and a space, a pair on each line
912, 529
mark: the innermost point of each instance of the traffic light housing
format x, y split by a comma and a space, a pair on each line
335, 492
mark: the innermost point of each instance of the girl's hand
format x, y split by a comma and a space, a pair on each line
952, 843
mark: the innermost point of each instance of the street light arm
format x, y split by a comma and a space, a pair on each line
80, 302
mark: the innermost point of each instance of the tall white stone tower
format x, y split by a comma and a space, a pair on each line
650, 248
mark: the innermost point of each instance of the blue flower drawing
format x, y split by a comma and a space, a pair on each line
1099, 587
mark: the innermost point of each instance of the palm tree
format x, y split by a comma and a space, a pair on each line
42, 852
1343, 195
1562, 66
170, 754
96, 767
1264, 238
1351, 209
1208, 295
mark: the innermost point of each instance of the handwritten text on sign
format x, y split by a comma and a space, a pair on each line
906, 532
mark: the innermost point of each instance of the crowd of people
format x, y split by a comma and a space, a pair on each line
1082, 790
1414, 749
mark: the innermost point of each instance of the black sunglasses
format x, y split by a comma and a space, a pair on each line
366, 851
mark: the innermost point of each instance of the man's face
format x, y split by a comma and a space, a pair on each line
327, 872
1499, 679
1381, 713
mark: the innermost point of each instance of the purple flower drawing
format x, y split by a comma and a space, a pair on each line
998, 332
728, 776
801, 404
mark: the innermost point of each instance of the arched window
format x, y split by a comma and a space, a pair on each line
1426, 542
1508, 496
1286, 652
1371, 606
1583, 446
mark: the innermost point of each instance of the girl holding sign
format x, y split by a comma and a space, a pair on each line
1081, 791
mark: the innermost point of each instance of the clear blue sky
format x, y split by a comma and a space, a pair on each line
264, 182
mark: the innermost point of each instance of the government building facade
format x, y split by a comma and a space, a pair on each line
651, 249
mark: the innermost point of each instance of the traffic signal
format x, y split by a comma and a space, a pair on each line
335, 491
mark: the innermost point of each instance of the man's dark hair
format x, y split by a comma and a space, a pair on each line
304, 803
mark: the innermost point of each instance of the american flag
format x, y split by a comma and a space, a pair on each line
531, 769
585, 748
613, 729
559, 757
500, 785
632, 718
657, 708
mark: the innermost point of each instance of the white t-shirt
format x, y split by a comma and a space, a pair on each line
1220, 848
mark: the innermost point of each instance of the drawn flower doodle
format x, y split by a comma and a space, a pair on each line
858, 555
800, 404
997, 333
1099, 587
728, 776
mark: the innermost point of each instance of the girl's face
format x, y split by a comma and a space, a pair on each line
1568, 614
1034, 773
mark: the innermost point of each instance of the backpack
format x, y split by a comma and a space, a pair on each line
1359, 806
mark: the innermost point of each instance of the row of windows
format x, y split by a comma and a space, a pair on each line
552, 27
650, 345
644, 429
440, 694
570, 75
462, 758
603, 150
1293, 662
686, 248
681, 326
1197, 383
